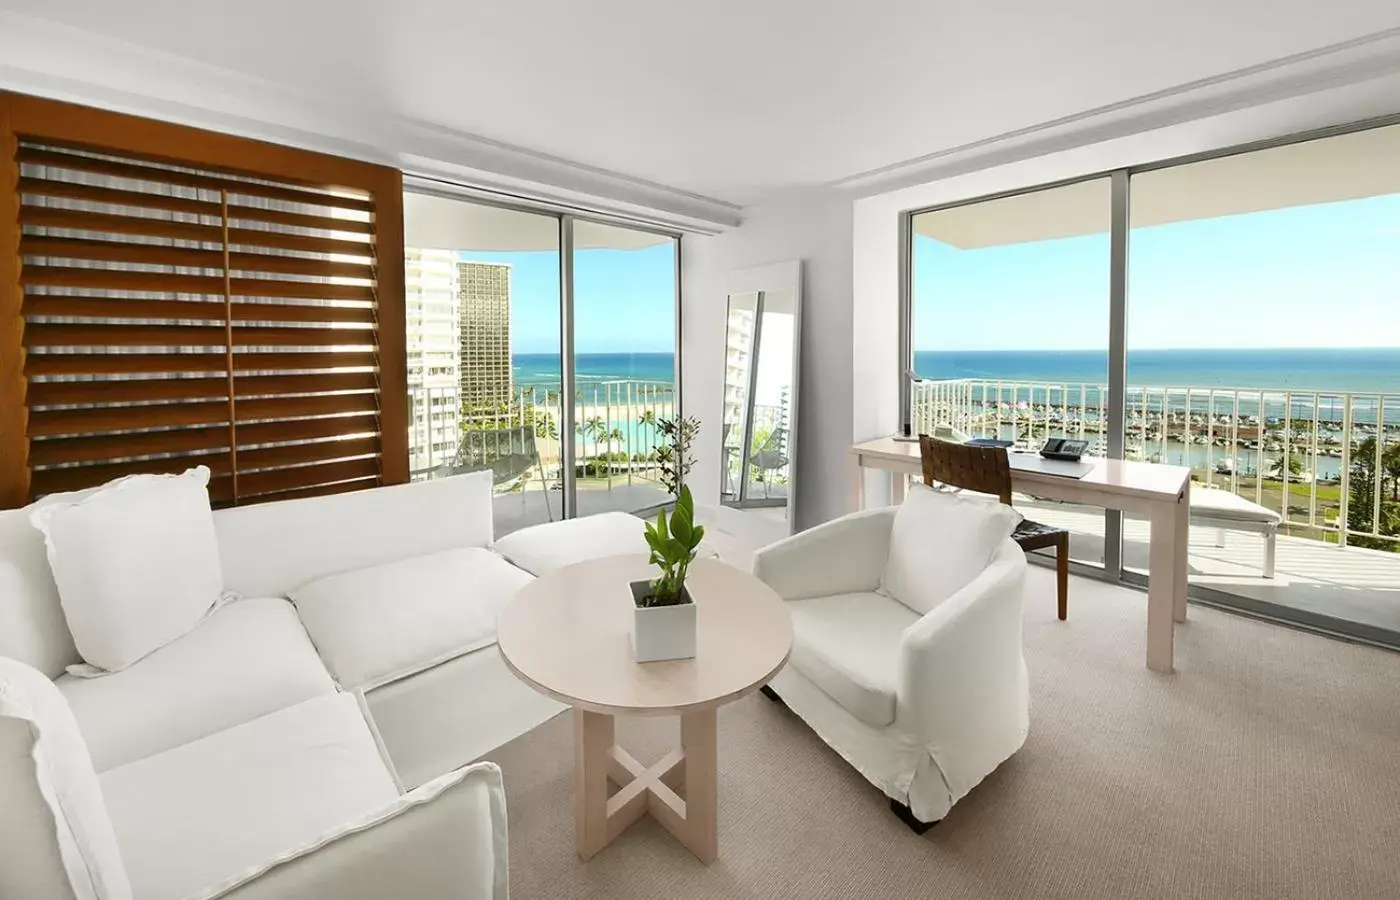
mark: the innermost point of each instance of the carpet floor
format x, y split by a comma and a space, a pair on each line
1267, 766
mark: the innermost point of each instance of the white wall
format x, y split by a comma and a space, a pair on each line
814, 227
875, 230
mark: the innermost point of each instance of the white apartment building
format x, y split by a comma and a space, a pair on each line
433, 310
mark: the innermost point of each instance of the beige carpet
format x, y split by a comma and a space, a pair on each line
1268, 766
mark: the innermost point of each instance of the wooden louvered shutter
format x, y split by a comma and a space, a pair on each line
171, 297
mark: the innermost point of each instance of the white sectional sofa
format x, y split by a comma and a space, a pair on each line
265, 735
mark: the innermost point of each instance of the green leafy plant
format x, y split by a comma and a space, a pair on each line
673, 544
673, 548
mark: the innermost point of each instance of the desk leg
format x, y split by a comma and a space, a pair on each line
1161, 586
857, 484
899, 484
1180, 567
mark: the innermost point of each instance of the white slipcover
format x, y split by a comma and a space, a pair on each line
382, 623
847, 644
250, 658
209, 811
32, 628
56, 839
961, 688
269, 549
553, 545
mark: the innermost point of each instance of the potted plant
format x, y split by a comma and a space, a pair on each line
663, 618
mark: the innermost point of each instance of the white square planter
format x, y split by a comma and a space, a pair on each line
662, 632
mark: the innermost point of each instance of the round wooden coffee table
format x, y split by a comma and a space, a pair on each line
566, 634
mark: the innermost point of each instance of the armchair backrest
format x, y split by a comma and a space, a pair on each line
985, 470
55, 837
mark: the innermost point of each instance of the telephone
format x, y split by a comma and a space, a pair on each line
1065, 449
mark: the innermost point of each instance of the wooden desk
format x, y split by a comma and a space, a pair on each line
1157, 492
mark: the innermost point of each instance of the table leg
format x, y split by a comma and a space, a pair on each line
857, 483
593, 743
1161, 586
1180, 568
700, 744
899, 485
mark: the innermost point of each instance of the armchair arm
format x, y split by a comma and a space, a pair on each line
445, 839
962, 676
842, 556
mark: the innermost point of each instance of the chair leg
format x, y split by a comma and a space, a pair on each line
1062, 577
906, 815
771, 695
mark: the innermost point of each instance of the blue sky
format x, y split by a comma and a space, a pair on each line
1326, 275
624, 300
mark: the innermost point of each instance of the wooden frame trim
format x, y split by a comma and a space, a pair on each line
14, 414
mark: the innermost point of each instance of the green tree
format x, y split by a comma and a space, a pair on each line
1361, 499
1295, 466
1390, 464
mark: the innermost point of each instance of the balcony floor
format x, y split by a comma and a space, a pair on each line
1352, 584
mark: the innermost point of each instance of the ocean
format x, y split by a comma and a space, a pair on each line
542, 369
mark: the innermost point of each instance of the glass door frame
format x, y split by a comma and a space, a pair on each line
566, 217
1120, 230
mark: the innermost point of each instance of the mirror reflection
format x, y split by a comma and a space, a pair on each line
760, 368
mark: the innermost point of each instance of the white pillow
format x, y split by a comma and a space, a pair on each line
56, 839
939, 542
136, 563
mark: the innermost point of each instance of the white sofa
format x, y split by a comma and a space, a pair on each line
922, 690
261, 734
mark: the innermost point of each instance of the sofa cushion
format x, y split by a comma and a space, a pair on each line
203, 813
377, 624
56, 839
250, 658
136, 563
268, 549
553, 545
848, 645
939, 542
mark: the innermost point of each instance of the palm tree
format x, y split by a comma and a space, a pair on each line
1390, 462
611, 436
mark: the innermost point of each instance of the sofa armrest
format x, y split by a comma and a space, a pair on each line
845, 555
445, 839
961, 665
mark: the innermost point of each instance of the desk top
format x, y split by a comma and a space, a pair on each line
567, 634
1150, 481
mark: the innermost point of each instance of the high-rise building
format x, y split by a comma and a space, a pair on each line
432, 310
483, 294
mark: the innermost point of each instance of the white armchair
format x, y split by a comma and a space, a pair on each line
907, 653
296, 804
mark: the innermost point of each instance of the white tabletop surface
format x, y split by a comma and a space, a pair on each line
1126, 476
568, 634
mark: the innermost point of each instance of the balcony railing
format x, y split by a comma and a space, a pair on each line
1327, 461
615, 433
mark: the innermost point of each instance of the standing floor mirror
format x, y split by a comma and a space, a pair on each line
759, 441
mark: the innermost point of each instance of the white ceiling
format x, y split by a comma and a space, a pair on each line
730, 99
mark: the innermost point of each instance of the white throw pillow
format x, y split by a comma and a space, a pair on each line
939, 542
56, 839
136, 563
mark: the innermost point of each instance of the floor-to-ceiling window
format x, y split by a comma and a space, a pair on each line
625, 372
1009, 325
1255, 316
489, 309
1263, 350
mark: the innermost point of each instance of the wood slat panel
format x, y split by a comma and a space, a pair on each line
51, 305
55, 451
47, 364
303, 454
96, 420
306, 476
320, 490
77, 478
44, 187
74, 162
112, 335
146, 254
151, 390
107, 223
34, 275
14, 449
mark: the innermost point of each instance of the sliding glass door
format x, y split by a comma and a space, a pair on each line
1009, 329
490, 309
624, 364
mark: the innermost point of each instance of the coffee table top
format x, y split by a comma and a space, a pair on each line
567, 634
